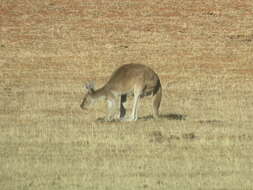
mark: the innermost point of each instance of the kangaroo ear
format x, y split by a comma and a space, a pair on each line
90, 86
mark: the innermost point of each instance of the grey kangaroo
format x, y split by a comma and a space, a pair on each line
136, 79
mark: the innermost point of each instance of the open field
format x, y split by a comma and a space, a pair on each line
202, 51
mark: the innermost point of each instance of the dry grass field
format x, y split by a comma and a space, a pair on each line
203, 53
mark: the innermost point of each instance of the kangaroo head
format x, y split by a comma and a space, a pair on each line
88, 97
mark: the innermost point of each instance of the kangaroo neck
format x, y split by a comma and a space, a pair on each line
100, 93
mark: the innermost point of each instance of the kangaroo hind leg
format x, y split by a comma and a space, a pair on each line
137, 94
123, 99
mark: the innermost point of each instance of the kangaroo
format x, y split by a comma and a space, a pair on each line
130, 79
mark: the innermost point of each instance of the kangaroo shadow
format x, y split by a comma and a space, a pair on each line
170, 116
